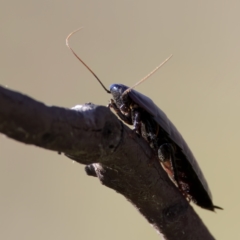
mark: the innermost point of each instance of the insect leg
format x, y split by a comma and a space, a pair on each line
137, 120
168, 161
125, 118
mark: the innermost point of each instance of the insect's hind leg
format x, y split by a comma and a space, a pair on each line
168, 161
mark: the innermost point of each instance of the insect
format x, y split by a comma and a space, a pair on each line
153, 125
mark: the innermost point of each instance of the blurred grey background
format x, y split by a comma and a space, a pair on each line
47, 196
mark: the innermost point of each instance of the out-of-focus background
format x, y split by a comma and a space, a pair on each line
44, 195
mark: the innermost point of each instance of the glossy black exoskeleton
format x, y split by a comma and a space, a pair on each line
153, 125
173, 152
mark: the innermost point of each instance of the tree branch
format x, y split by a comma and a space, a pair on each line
93, 135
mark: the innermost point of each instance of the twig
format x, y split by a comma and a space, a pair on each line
93, 135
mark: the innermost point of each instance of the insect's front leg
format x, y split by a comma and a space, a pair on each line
126, 118
167, 159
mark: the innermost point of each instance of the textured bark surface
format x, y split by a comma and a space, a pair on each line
119, 158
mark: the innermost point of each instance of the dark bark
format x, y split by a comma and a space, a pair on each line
94, 136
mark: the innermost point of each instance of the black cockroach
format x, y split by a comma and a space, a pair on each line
152, 124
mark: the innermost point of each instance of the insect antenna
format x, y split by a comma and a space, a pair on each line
90, 70
146, 77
